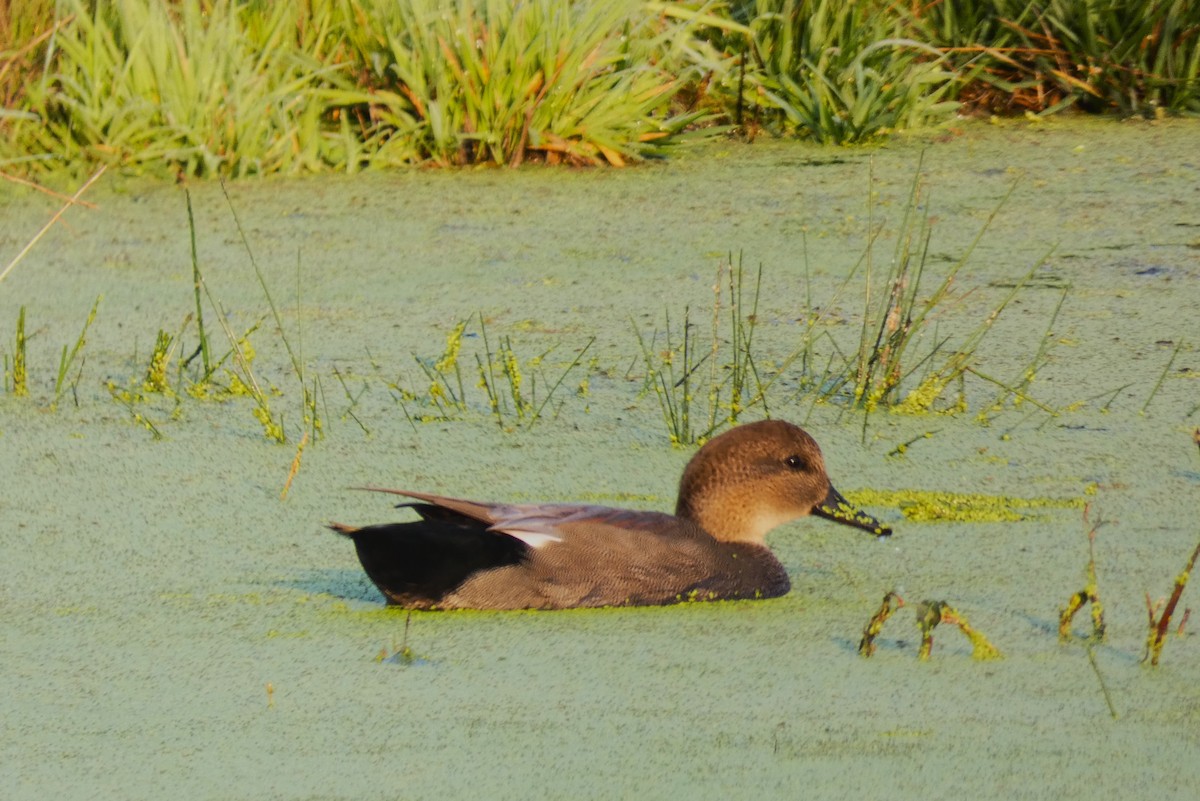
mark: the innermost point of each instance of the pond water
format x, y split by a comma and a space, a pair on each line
173, 627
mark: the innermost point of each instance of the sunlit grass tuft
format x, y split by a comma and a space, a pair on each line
491, 81
201, 88
1125, 56
839, 72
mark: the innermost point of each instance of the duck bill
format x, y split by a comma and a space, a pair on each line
840, 510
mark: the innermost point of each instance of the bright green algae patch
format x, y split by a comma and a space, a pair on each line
930, 505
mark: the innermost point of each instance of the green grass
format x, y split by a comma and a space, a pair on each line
235, 367
491, 81
67, 361
697, 404
231, 88
512, 392
16, 366
901, 363
840, 71
195, 87
19, 373
509, 383
1131, 57
309, 411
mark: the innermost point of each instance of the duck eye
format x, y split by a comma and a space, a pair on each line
795, 463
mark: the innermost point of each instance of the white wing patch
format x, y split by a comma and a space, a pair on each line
540, 525
534, 539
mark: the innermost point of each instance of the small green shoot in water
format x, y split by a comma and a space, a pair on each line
353, 398
902, 448
20, 377
1090, 594
197, 285
128, 399
866, 646
160, 362
1162, 377
931, 613
404, 654
510, 385
441, 392
68, 359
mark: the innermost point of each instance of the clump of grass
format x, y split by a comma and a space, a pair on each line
505, 361
490, 81
733, 383
895, 342
242, 380
1127, 56
671, 386
839, 72
897, 319
236, 364
524, 409
16, 367
199, 87
230, 88
236, 88
509, 383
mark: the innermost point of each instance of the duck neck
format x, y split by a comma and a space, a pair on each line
724, 517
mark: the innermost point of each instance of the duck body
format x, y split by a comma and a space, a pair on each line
465, 554
556, 556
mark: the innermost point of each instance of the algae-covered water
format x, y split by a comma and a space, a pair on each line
171, 627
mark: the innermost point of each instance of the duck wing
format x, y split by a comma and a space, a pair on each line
534, 524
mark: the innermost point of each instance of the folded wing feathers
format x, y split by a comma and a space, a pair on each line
537, 525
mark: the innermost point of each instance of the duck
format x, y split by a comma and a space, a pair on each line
738, 487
